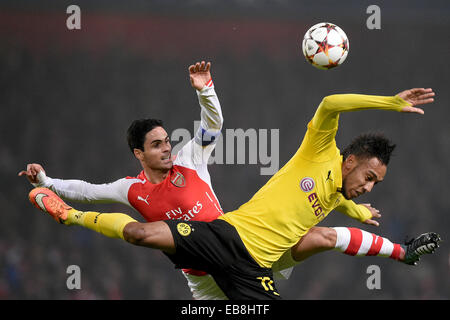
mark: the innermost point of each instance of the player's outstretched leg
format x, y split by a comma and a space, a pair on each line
156, 235
110, 225
357, 242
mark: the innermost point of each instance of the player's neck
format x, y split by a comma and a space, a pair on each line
156, 176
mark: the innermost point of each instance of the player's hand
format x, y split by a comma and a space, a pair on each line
32, 171
199, 74
375, 214
416, 97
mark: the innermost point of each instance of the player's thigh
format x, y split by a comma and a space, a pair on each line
156, 235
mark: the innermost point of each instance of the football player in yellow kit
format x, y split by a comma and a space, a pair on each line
239, 248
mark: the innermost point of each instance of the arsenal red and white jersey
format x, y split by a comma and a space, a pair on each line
182, 195
185, 194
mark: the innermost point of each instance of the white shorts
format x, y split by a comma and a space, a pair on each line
204, 287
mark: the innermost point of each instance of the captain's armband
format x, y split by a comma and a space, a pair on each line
206, 137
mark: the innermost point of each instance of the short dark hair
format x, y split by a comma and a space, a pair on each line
137, 131
370, 145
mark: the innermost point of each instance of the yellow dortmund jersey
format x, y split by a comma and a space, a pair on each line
306, 189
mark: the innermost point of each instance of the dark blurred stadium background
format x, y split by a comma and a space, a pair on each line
67, 98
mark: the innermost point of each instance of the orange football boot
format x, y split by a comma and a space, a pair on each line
46, 200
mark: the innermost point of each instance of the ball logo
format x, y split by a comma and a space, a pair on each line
307, 184
184, 229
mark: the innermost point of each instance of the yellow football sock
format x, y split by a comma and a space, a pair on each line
108, 224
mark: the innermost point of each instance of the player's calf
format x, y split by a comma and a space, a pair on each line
357, 242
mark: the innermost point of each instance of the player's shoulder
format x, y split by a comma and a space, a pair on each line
183, 170
195, 155
129, 183
140, 178
318, 145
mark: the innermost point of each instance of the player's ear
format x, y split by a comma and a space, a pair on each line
138, 153
350, 162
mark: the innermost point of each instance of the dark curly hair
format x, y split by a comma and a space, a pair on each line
137, 131
370, 145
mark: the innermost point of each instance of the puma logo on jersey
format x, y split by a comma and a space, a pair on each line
142, 199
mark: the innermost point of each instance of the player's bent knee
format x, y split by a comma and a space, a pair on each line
328, 235
134, 232
154, 235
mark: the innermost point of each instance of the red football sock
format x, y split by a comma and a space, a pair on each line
354, 241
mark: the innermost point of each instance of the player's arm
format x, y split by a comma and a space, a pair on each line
327, 114
319, 143
195, 153
211, 112
364, 212
78, 190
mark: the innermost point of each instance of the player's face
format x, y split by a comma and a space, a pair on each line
361, 175
157, 153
